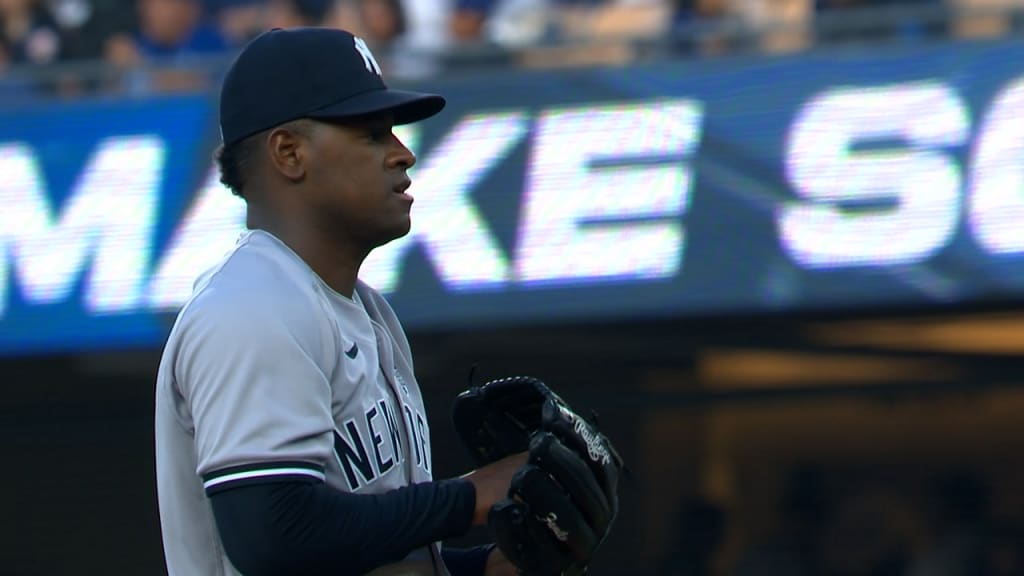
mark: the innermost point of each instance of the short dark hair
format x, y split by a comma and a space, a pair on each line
234, 160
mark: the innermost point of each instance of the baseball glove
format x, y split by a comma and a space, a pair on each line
561, 504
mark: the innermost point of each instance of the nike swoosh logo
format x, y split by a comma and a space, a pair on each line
351, 352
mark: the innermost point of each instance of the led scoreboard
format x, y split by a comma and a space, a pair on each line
827, 179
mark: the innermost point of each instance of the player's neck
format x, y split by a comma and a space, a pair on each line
337, 269
336, 263
337, 266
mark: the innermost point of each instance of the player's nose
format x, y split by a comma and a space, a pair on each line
401, 156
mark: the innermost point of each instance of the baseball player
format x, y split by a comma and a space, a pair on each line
291, 436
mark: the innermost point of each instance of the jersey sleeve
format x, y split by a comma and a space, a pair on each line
259, 399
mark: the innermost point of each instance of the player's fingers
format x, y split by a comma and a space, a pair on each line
552, 508
573, 474
531, 551
578, 435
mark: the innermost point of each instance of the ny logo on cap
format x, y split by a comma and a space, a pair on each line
368, 59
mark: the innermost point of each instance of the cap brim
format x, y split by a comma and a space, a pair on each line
407, 106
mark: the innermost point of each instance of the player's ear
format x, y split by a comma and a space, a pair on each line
287, 149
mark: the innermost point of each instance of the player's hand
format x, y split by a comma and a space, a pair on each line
499, 565
492, 483
561, 505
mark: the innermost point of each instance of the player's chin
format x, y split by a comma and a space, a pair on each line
405, 228
398, 227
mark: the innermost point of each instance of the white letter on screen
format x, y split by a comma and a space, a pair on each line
997, 179
208, 231
922, 180
586, 223
107, 220
445, 221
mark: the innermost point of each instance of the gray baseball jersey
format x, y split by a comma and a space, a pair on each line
269, 372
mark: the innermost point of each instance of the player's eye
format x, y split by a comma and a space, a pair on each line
380, 135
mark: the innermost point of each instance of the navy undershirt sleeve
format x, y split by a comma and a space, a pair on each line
466, 561
308, 528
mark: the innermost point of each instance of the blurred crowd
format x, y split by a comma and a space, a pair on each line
126, 33
946, 525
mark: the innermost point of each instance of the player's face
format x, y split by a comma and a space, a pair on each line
358, 170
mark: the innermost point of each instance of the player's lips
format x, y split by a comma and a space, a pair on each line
401, 188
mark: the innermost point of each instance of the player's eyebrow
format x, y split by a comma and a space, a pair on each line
373, 121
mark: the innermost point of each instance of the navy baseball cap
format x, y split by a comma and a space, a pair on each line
326, 73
